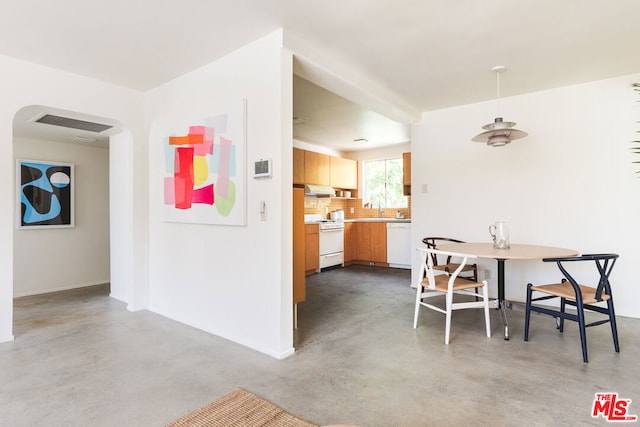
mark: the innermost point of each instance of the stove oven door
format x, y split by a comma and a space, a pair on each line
331, 247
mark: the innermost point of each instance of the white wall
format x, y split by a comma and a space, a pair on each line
232, 281
23, 84
128, 267
570, 183
47, 260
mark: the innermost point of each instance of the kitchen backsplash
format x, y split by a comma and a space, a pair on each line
324, 205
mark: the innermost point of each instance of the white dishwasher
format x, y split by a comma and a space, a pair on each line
399, 244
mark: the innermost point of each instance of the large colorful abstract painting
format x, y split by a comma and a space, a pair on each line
204, 167
45, 194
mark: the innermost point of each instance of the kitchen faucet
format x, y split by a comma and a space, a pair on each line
380, 210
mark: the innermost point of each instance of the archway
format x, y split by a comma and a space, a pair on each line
94, 248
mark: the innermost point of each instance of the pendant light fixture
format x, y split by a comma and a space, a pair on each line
499, 133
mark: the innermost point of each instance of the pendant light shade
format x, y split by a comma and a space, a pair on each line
499, 133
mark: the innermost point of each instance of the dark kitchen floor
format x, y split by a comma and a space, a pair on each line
80, 358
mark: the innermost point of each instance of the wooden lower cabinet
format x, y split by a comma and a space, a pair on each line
311, 248
350, 245
363, 241
371, 243
379, 242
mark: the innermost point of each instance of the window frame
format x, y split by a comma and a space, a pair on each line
371, 199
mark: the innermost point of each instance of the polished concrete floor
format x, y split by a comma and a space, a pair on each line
81, 359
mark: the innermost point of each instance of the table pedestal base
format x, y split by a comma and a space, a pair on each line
502, 302
503, 313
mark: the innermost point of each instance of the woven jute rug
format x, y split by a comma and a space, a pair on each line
240, 408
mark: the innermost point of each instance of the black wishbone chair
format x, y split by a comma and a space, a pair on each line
582, 297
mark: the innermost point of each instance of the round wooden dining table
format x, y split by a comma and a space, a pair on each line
516, 251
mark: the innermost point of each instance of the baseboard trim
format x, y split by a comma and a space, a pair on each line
59, 289
7, 338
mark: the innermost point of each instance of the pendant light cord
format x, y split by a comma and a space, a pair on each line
499, 133
498, 93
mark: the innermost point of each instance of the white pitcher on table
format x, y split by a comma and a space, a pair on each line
500, 235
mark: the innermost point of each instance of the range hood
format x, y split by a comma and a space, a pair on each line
318, 191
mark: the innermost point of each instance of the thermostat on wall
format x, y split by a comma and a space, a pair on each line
262, 168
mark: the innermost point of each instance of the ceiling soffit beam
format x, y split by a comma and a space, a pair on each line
345, 81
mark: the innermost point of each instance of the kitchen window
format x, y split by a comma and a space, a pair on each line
382, 182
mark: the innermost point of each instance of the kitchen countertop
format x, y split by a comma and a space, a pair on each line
393, 220
400, 220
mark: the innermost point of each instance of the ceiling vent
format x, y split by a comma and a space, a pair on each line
83, 139
67, 122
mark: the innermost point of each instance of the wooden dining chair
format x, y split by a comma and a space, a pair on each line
470, 271
582, 297
434, 282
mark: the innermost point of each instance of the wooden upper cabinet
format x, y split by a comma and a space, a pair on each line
406, 174
310, 167
344, 173
298, 166
317, 168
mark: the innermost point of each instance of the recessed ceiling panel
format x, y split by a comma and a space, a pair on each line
321, 117
68, 122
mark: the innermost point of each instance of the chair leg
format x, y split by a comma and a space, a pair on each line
527, 315
487, 321
447, 330
474, 277
560, 320
583, 329
417, 308
614, 327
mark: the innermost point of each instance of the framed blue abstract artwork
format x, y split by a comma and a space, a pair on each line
45, 194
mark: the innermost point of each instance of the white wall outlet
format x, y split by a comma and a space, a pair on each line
487, 274
351, 210
425, 188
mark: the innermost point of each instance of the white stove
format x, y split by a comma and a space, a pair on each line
331, 243
323, 223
